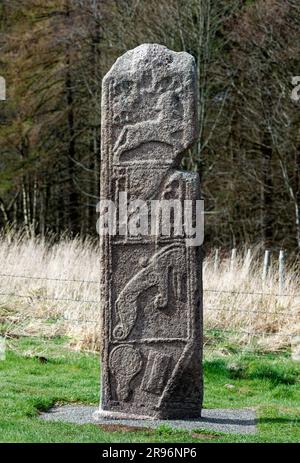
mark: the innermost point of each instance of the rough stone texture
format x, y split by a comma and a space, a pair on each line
232, 421
151, 289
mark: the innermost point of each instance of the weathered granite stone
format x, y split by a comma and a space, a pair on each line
151, 286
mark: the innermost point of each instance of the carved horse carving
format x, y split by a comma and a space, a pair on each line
155, 274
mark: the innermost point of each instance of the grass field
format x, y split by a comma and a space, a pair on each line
39, 373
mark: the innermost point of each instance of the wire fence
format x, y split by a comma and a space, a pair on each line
67, 280
283, 314
43, 298
209, 308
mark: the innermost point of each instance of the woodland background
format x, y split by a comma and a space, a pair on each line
54, 54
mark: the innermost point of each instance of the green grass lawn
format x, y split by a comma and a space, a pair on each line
270, 383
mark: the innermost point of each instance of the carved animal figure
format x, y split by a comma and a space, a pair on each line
155, 274
162, 129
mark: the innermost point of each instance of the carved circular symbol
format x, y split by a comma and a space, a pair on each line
119, 332
126, 359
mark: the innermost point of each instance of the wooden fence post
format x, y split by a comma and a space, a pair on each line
281, 271
216, 261
266, 265
248, 261
232, 259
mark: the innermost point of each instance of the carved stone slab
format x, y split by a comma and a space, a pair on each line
151, 286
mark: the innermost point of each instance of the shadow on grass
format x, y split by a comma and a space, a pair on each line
278, 420
232, 421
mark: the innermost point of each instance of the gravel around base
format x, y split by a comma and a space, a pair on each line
231, 421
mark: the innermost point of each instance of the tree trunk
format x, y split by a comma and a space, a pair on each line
73, 213
267, 191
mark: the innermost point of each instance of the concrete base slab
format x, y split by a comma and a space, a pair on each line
231, 421
100, 415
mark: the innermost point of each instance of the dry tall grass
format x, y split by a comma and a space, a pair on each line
250, 310
60, 295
